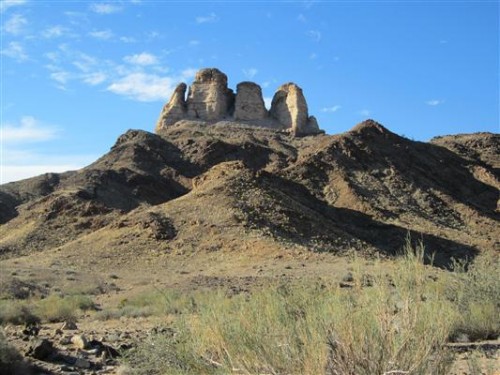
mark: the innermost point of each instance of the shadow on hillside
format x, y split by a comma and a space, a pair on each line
319, 220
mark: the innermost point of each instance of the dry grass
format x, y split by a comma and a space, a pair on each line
399, 320
54, 308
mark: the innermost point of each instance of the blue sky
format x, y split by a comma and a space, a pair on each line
77, 74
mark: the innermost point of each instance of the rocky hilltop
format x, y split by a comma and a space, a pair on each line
195, 188
210, 100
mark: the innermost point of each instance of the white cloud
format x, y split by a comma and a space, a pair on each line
143, 87
10, 173
313, 56
84, 62
6, 4
250, 73
188, 73
434, 102
28, 130
194, 43
334, 108
94, 78
61, 77
301, 18
15, 24
267, 101
211, 18
17, 164
365, 112
105, 8
102, 34
315, 35
143, 59
15, 51
54, 32
127, 39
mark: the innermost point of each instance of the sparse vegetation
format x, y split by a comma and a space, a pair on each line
402, 321
476, 293
51, 309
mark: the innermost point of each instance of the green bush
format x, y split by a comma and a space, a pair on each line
476, 293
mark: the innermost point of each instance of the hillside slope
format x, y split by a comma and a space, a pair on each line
228, 187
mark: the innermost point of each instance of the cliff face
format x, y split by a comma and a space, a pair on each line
209, 99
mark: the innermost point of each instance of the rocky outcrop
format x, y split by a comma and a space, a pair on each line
209, 100
175, 109
289, 107
249, 104
209, 97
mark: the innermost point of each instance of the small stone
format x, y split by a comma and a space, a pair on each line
82, 363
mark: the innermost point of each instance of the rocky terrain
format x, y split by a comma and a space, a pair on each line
225, 188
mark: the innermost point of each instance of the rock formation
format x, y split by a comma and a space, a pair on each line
175, 109
210, 100
289, 107
249, 104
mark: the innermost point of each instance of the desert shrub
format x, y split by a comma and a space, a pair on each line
58, 309
17, 312
311, 328
154, 303
477, 295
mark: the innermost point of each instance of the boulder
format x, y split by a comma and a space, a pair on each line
249, 104
209, 98
175, 109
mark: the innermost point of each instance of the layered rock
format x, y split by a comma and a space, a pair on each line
175, 109
209, 99
249, 104
289, 107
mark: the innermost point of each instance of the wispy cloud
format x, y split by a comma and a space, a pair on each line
365, 112
28, 129
301, 18
127, 39
210, 18
313, 56
6, 4
188, 73
315, 35
332, 109
20, 163
62, 77
102, 34
96, 78
143, 87
434, 102
16, 24
15, 50
105, 8
250, 73
54, 32
143, 59
194, 42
